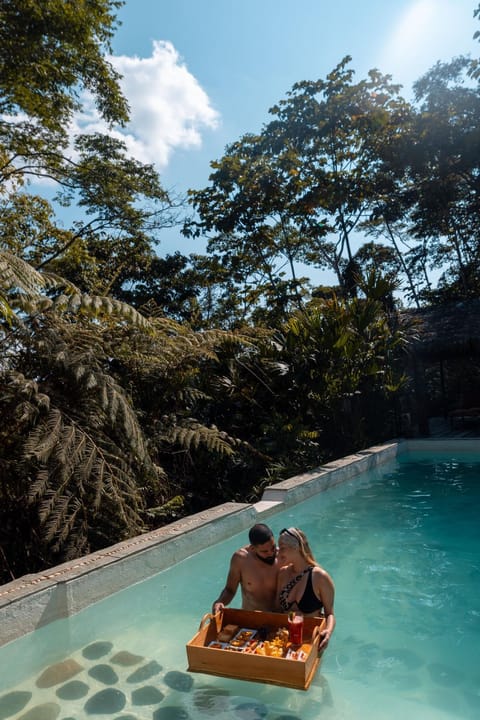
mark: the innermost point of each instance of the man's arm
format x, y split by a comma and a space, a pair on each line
231, 586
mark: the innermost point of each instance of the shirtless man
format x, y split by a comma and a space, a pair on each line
255, 568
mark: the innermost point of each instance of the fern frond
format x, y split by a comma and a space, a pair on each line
97, 306
16, 274
22, 287
74, 508
46, 505
43, 438
53, 514
29, 402
106, 397
31, 304
121, 414
98, 478
87, 474
112, 400
82, 471
194, 434
69, 451
5, 310
39, 487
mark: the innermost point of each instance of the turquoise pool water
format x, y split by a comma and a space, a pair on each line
403, 546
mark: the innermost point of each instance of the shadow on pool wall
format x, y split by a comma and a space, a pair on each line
36, 600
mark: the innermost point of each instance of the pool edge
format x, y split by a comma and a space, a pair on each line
33, 601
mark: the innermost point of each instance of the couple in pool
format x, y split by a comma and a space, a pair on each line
280, 580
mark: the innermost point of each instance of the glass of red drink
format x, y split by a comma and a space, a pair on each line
295, 628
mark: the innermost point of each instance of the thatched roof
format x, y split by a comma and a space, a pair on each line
445, 331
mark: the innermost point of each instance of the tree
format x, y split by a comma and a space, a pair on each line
296, 192
124, 206
120, 205
68, 42
444, 166
253, 213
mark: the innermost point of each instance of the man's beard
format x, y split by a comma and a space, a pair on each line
267, 560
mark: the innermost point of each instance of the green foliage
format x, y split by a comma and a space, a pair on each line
26, 290
342, 359
71, 449
120, 203
67, 41
74, 461
169, 511
193, 434
445, 171
296, 192
474, 71
165, 368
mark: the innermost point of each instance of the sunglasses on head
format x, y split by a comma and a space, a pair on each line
286, 530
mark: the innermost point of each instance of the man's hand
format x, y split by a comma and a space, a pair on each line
218, 607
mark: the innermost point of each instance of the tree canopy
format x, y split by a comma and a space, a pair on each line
49, 52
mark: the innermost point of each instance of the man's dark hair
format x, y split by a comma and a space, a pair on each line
260, 534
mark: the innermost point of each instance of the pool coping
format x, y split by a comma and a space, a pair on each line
33, 601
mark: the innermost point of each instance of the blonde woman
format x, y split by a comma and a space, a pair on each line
302, 584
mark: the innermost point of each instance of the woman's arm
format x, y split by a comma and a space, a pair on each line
325, 591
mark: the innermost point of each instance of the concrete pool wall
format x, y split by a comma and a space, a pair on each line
33, 601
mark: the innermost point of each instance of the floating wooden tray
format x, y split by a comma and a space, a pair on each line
296, 674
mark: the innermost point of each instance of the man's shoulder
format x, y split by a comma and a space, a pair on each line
241, 554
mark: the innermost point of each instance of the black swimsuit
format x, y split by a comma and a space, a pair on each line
309, 602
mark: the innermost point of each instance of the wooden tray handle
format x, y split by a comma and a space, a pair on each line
316, 635
208, 617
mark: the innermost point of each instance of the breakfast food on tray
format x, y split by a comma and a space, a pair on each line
248, 640
278, 646
227, 633
244, 640
296, 654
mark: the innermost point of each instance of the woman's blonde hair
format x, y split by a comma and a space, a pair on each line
293, 533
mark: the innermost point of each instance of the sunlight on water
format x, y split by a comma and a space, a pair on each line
403, 547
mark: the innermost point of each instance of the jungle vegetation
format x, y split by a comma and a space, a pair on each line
135, 388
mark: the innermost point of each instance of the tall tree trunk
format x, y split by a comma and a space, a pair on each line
403, 264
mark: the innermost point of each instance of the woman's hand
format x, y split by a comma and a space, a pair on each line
325, 636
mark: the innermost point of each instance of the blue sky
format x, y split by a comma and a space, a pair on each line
199, 74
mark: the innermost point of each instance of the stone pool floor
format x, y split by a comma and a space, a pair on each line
101, 681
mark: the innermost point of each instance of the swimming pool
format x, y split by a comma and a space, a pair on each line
402, 543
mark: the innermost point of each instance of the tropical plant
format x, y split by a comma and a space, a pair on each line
73, 458
71, 448
343, 369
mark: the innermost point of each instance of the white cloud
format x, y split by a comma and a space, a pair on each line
168, 107
428, 31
